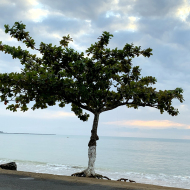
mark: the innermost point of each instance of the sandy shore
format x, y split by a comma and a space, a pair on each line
89, 181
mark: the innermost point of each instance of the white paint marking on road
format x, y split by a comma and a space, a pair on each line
27, 178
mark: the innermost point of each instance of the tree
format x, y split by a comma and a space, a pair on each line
101, 83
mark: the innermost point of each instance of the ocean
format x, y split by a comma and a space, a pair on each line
164, 162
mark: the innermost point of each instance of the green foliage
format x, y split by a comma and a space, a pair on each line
63, 75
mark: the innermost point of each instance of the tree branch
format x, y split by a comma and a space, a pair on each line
113, 107
82, 106
127, 103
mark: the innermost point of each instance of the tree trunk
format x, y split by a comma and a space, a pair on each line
92, 147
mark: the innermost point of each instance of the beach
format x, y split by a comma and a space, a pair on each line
16, 180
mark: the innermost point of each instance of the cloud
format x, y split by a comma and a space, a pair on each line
38, 114
161, 8
167, 133
162, 25
36, 14
154, 124
60, 114
79, 8
183, 11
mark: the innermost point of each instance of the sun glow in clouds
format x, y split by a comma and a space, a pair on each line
154, 124
37, 14
132, 26
36, 11
184, 11
33, 2
122, 23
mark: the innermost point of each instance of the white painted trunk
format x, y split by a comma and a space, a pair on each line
91, 162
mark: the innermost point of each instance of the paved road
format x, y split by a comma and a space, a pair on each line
18, 182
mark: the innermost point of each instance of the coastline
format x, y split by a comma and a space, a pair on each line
25, 134
90, 181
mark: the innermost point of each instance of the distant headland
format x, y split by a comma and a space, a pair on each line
1, 132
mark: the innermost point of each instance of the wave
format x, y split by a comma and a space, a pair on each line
67, 170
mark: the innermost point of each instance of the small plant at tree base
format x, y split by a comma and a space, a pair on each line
101, 83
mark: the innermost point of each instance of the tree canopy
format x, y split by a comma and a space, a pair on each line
61, 75
101, 83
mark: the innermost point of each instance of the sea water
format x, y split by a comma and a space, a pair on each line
164, 162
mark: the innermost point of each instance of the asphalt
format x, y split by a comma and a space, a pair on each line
19, 182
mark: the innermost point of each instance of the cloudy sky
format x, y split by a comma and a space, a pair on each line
162, 25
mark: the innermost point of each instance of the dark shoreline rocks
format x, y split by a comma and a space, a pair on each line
9, 166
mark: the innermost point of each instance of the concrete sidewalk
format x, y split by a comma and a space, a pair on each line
18, 182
